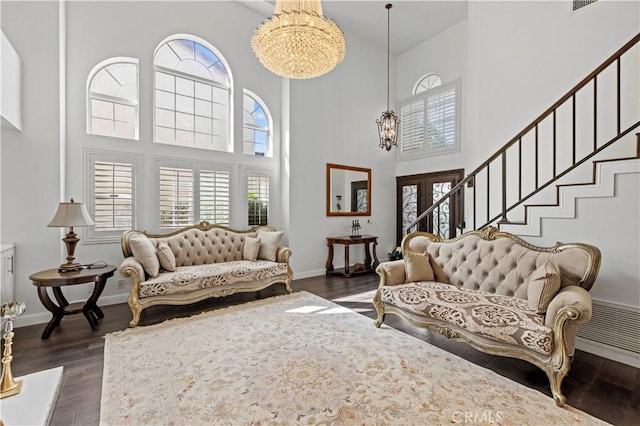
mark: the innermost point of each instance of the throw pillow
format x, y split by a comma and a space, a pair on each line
269, 243
166, 257
438, 271
145, 253
251, 248
543, 285
417, 267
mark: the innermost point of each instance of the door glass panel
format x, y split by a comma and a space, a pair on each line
441, 222
409, 206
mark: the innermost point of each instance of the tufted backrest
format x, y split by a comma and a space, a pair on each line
197, 247
501, 263
200, 244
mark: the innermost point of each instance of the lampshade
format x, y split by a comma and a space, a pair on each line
71, 214
298, 41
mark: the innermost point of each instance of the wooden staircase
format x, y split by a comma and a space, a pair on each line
556, 143
602, 184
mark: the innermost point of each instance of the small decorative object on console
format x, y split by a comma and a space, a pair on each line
355, 228
9, 386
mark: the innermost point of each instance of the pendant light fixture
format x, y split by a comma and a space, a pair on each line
298, 41
389, 121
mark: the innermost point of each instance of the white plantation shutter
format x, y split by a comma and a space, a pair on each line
430, 122
215, 196
441, 117
258, 198
412, 125
113, 196
176, 197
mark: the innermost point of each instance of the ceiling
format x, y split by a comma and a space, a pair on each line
412, 21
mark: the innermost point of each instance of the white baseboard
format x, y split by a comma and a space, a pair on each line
609, 352
45, 317
308, 274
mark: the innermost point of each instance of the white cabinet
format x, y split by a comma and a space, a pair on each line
7, 274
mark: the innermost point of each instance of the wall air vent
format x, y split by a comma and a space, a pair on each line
614, 325
579, 4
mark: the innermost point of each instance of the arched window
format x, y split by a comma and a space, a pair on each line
427, 82
256, 126
430, 119
112, 98
192, 95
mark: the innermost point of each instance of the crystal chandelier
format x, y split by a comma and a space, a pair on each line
389, 121
298, 41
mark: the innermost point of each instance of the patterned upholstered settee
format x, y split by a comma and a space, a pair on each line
201, 261
496, 292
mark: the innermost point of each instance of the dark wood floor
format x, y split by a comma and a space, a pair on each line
601, 387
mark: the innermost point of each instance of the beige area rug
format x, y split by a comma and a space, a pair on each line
301, 359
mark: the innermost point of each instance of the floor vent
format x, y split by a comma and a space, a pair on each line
613, 325
579, 4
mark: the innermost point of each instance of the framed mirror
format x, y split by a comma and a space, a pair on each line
348, 190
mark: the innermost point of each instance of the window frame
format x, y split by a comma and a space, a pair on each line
93, 236
113, 99
261, 171
177, 73
425, 151
268, 129
195, 167
423, 78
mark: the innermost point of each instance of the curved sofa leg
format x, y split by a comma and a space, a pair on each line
287, 285
136, 309
555, 380
135, 312
377, 303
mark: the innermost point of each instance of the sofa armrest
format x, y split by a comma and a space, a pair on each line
131, 266
391, 273
570, 307
573, 296
283, 254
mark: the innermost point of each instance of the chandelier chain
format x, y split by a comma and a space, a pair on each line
388, 48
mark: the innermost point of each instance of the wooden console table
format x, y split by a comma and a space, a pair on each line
53, 278
347, 242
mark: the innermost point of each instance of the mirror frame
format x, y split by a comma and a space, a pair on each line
331, 166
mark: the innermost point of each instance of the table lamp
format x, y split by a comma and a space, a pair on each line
69, 215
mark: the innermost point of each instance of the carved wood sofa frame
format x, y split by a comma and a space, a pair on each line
570, 306
130, 267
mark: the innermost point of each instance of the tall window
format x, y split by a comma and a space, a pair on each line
110, 194
176, 197
192, 192
215, 196
258, 201
192, 96
430, 122
112, 98
256, 126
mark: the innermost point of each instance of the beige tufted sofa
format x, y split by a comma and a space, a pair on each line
480, 294
208, 263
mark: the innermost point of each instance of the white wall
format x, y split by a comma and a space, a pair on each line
206, 20
333, 120
526, 55
30, 166
512, 66
30, 160
521, 57
11, 85
444, 54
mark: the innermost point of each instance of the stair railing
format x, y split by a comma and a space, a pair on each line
503, 162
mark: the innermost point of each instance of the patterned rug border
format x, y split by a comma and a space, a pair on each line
152, 328
218, 311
